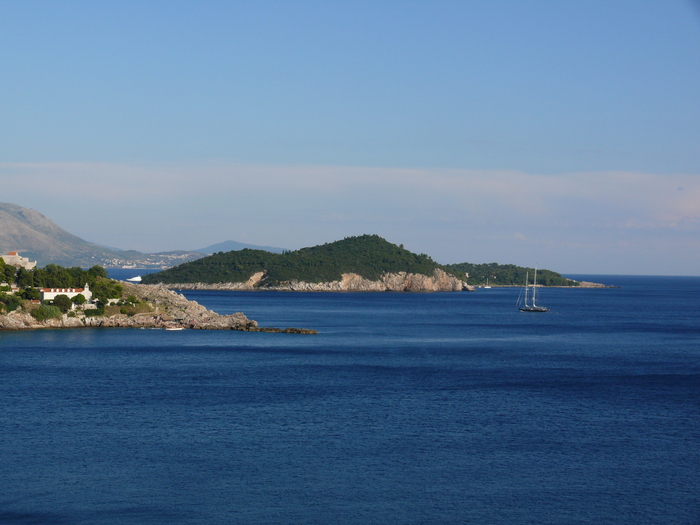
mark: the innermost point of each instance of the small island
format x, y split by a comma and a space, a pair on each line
52, 297
366, 263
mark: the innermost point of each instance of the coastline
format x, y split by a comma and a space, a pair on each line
359, 286
169, 310
581, 285
439, 281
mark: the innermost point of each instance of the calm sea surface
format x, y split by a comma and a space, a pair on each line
405, 409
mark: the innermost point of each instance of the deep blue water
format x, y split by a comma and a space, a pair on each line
405, 409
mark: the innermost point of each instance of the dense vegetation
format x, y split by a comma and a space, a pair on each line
9, 302
46, 311
54, 276
368, 255
508, 275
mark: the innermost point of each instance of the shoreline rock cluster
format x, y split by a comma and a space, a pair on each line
581, 284
587, 284
440, 281
169, 310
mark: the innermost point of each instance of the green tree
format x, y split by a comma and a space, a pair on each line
97, 271
105, 289
56, 277
63, 302
24, 278
11, 301
79, 299
10, 274
30, 293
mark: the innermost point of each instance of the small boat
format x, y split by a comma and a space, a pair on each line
136, 279
173, 328
527, 307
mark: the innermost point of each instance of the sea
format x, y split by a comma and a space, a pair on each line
440, 408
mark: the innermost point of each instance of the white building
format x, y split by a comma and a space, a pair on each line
14, 259
49, 294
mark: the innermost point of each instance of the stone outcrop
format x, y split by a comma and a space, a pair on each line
440, 281
587, 284
169, 310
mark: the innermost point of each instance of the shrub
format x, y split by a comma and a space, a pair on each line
30, 293
63, 302
46, 311
99, 311
11, 302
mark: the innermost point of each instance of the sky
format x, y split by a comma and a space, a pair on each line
559, 134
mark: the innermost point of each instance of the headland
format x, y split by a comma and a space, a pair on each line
142, 306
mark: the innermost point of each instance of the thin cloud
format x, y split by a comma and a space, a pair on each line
435, 211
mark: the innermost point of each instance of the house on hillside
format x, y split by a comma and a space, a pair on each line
49, 294
14, 259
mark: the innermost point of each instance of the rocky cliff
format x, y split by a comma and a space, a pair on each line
440, 281
168, 310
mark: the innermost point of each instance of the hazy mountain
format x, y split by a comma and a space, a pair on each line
37, 237
228, 246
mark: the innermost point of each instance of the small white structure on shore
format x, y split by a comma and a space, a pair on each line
49, 294
14, 259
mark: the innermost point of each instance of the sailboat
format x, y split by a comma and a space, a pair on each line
532, 307
487, 283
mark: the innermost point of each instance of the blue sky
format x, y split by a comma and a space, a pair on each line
559, 133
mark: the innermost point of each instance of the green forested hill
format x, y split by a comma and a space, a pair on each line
368, 255
507, 275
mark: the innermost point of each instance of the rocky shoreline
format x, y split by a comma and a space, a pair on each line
169, 310
440, 281
581, 284
586, 284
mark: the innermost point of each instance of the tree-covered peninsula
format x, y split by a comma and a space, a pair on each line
508, 275
367, 258
48, 298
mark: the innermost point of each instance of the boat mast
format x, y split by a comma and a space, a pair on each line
526, 280
534, 287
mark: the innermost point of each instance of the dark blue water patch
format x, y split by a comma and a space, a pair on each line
34, 518
437, 408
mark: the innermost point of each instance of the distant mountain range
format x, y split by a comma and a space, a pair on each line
37, 237
228, 246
